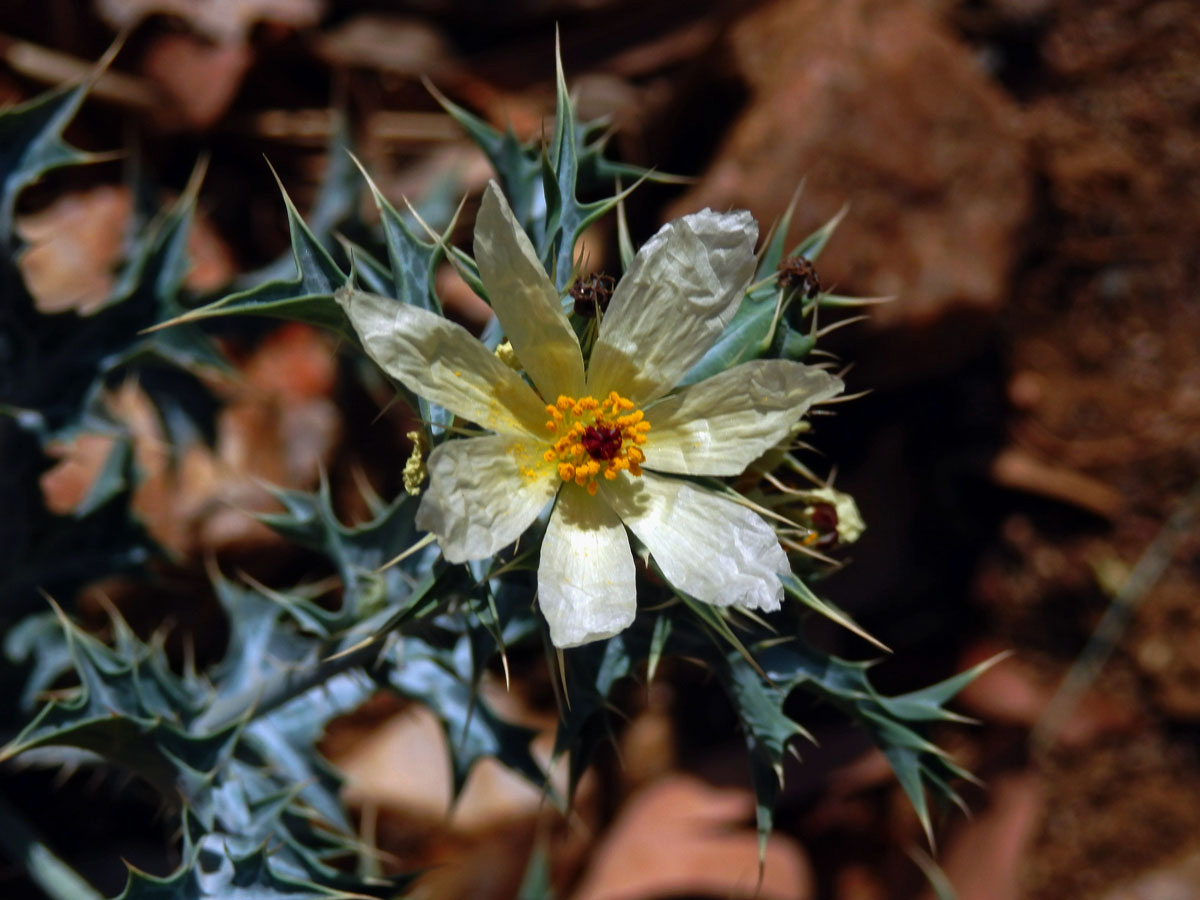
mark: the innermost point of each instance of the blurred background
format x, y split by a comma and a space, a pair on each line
1022, 178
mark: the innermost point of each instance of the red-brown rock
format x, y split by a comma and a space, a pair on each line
874, 103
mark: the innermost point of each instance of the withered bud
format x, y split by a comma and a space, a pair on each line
799, 274
592, 293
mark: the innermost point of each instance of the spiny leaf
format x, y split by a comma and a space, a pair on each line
413, 261
306, 297
128, 708
115, 478
334, 209
658, 643
215, 876
166, 362
920, 766
746, 337
358, 552
247, 779
752, 333
259, 645
768, 731
543, 184
421, 671
927, 704
39, 641
812, 246
591, 672
60, 362
566, 217
31, 144
42, 551
772, 253
802, 592
517, 166
942, 888
413, 269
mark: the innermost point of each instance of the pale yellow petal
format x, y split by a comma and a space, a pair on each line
483, 493
586, 580
525, 300
721, 425
706, 546
442, 362
682, 289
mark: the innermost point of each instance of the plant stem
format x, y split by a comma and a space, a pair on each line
1140, 581
26, 848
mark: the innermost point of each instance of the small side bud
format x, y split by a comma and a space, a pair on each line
414, 469
833, 517
507, 355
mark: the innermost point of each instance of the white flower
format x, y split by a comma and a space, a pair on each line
598, 438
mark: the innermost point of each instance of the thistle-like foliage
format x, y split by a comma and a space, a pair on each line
231, 749
55, 369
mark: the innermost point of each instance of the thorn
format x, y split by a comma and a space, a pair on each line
192, 190
419, 545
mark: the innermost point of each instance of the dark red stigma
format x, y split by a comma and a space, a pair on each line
824, 519
602, 441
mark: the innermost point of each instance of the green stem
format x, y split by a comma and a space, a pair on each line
288, 686
47, 871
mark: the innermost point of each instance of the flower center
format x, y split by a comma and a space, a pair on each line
595, 437
602, 441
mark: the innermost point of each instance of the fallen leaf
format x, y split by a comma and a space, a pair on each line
74, 243
983, 861
682, 837
224, 21
199, 77
75, 246
387, 43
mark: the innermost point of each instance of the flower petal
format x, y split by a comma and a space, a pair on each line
439, 360
586, 580
705, 545
722, 424
525, 300
681, 291
483, 493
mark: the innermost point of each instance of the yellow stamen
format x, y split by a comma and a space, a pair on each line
609, 427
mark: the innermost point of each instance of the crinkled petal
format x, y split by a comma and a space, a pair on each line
706, 546
442, 362
722, 424
483, 493
586, 580
525, 300
677, 297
